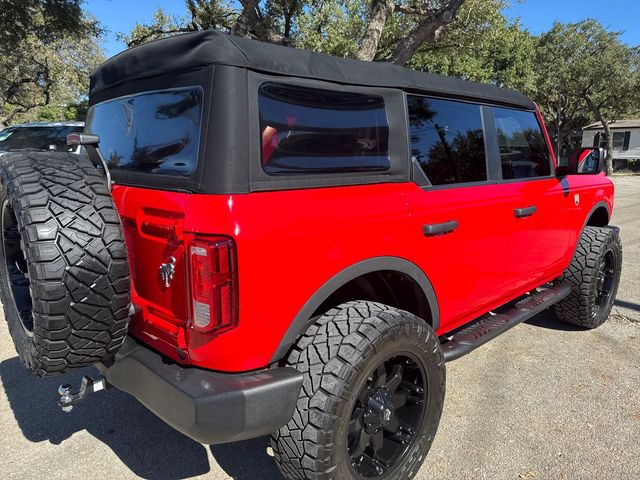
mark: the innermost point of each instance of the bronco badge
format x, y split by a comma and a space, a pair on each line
167, 270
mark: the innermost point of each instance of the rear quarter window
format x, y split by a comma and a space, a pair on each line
310, 130
154, 132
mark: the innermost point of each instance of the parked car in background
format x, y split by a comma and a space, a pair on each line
40, 136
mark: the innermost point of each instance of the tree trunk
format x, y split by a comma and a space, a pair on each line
428, 30
249, 23
609, 160
607, 134
381, 10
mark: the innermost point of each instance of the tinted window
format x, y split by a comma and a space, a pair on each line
309, 130
37, 138
150, 132
523, 148
447, 140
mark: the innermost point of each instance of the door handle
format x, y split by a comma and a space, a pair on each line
525, 212
433, 229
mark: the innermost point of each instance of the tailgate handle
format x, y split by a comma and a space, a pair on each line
525, 212
434, 229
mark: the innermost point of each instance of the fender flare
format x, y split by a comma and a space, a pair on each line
304, 319
599, 204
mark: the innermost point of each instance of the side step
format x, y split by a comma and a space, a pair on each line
491, 325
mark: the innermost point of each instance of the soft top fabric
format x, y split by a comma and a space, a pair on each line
200, 49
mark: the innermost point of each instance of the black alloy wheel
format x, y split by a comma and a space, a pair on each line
605, 279
386, 416
14, 268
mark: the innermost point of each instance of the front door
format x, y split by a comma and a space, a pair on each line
540, 204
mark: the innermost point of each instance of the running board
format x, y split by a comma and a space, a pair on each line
491, 325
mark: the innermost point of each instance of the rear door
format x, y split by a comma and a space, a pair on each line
459, 213
540, 204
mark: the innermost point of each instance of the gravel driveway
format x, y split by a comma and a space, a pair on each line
542, 401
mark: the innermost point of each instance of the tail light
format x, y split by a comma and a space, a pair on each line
214, 298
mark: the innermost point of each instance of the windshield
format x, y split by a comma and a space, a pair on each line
155, 132
37, 138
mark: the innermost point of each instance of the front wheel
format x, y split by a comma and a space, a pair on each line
594, 275
371, 400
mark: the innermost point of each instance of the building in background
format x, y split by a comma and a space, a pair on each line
626, 143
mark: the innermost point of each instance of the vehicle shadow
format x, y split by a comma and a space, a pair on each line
145, 444
247, 460
548, 320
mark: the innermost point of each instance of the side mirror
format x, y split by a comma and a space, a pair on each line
586, 161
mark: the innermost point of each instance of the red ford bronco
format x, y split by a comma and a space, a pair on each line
268, 240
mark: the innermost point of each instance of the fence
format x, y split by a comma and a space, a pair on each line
626, 166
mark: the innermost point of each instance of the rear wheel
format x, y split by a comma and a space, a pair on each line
372, 396
594, 275
64, 275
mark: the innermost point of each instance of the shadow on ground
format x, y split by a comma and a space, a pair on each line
548, 320
145, 444
628, 305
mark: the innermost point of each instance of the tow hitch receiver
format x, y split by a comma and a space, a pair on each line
88, 385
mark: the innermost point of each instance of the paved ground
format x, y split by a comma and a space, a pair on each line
543, 401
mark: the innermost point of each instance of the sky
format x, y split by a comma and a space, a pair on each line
535, 15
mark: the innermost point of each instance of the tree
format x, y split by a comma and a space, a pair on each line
311, 22
482, 45
46, 59
582, 67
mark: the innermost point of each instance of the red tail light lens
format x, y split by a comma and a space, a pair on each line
213, 284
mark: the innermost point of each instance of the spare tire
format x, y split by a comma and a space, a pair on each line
64, 274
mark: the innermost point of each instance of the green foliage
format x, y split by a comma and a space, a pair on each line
482, 45
586, 72
45, 66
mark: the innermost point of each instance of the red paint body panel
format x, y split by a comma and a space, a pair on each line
289, 243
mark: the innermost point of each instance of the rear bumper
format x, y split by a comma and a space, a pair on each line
207, 406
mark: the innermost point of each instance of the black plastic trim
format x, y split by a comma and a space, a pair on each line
209, 407
304, 318
434, 229
489, 326
525, 212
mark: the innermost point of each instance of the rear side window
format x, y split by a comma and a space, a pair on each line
156, 132
447, 140
310, 130
523, 149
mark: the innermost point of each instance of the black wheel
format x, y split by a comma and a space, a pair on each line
372, 396
594, 275
64, 276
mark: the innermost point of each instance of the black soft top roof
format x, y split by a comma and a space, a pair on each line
195, 50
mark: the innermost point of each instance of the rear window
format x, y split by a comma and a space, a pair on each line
155, 132
37, 138
310, 130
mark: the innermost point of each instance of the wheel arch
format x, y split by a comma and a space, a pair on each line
338, 287
599, 215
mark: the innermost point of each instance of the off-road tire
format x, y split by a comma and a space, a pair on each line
336, 356
580, 306
57, 209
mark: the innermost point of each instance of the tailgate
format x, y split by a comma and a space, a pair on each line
153, 221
